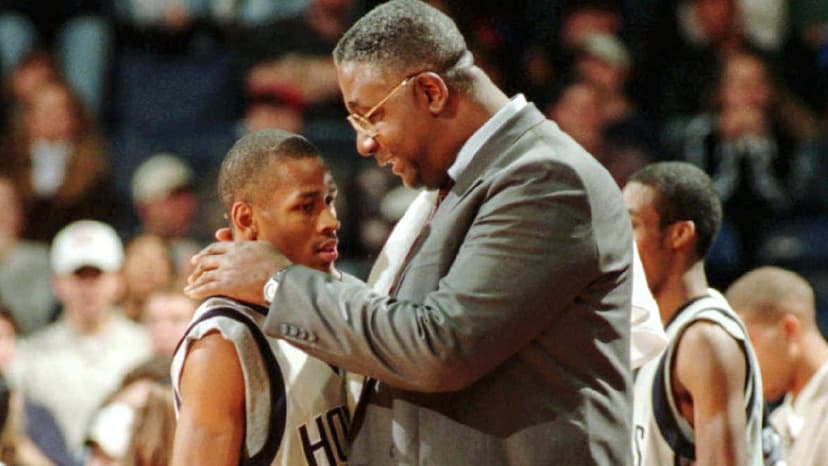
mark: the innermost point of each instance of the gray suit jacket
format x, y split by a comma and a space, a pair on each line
507, 339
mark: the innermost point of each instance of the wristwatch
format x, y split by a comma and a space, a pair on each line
271, 285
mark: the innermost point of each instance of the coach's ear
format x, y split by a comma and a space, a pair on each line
241, 216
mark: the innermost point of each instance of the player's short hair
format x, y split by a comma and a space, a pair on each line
406, 37
684, 192
245, 169
767, 293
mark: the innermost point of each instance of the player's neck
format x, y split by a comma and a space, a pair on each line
681, 288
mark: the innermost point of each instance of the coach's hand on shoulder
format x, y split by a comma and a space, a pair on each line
235, 269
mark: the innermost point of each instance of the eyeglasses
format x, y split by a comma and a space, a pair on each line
362, 123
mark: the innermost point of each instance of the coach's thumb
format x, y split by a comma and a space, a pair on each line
224, 234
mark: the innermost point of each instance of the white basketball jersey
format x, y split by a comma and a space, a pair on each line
295, 404
661, 436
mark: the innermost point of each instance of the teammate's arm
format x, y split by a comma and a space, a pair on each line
210, 427
710, 366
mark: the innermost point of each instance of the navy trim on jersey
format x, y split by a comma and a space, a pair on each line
667, 424
278, 397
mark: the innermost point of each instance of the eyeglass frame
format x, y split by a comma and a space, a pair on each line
362, 123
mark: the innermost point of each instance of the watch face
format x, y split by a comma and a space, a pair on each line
270, 289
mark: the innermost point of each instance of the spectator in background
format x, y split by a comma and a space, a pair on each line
778, 308
151, 439
15, 447
295, 52
804, 58
148, 267
77, 32
167, 315
750, 149
32, 423
580, 112
547, 69
273, 107
164, 197
32, 71
71, 365
140, 406
604, 62
24, 266
57, 158
682, 54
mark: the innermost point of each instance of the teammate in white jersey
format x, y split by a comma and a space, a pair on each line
243, 398
700, 402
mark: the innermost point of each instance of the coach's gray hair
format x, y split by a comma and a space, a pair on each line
407, 36
245, 169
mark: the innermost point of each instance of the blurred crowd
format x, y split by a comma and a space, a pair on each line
117, 113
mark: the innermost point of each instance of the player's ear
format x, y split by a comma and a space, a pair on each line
790, 326
682, 234
241, 216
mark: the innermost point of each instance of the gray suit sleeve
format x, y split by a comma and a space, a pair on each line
528, 253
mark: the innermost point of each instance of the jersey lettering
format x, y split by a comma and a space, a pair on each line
329, 431
638, 436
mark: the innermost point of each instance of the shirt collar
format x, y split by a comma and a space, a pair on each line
796, 408
483, 134
811, 388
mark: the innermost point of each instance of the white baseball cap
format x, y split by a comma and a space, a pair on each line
87, 243
160, 175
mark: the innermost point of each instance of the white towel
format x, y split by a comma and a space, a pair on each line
647, 337
389, 263
387, 267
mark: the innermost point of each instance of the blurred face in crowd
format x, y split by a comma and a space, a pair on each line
650, 237
273, 116
171, 216
88, 294
745, 83
53, 114
11, 213
299, 215
578, 113
585, 21
147, 265
716, 17
30, 75
167, 316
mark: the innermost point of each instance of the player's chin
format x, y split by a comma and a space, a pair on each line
324, 261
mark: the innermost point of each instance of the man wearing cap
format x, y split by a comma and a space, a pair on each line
71, 365
166, 204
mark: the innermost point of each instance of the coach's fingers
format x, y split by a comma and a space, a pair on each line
211, 249
203, 286
203, 262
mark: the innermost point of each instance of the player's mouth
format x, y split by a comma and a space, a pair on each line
328, 250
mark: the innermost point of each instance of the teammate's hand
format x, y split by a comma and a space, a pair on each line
235, 269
